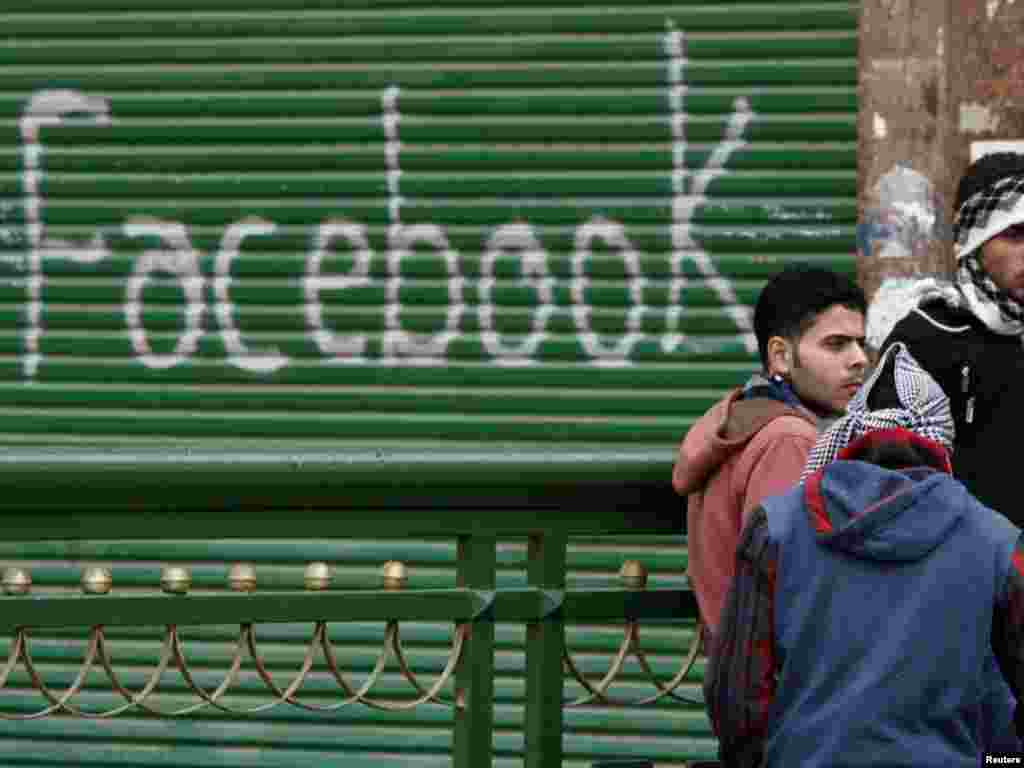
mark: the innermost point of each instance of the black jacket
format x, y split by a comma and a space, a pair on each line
982, 373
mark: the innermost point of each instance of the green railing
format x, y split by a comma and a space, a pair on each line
542, 495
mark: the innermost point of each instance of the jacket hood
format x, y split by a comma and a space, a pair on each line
895, 299
723, 431
874, 513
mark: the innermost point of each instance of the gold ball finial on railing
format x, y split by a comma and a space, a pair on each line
175, 580
96, 580
16, 581
634, 574
242, 577
395, 574
317, 576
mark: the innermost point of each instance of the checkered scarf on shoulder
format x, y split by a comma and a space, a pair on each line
924, 410
981, 217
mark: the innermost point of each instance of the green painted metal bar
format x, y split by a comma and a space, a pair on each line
282, 258
136, 561
603, 604
473, 514
838, 70
152, 610
473, 733
548, 186
77, 220
254, 425
328, 104
546, 569
436, 130
268, 295
349, 6
260, 296
227, 158
105, 369
344, 21
261, 319
469, 347
154, 494
505, 46
281, 724
461, 604
397, 400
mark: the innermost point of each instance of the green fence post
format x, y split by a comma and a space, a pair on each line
544, 642
473, 736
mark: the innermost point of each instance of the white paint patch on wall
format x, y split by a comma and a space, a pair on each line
905, 218
881, 128
977, 118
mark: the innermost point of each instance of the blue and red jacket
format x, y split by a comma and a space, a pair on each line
871, 614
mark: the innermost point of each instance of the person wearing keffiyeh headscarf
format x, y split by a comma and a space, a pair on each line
877, 612
969, 334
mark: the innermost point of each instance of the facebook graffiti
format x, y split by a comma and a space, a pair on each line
555, 302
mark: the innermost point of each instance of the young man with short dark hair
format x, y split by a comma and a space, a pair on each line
809, 324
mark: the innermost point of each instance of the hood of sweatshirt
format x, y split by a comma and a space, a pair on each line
873, 513
723, 431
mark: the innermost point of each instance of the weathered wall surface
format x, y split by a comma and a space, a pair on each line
936, 81
903, 126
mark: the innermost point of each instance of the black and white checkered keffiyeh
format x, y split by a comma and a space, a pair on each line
981, 217
925, 411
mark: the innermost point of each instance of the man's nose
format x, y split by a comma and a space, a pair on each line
858, 357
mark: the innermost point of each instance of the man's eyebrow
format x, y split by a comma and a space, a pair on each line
844, 337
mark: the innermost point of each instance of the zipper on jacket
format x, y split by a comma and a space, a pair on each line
965, 388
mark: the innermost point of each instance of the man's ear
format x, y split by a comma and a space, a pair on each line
780, 357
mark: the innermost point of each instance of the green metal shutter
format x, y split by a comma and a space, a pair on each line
396, 221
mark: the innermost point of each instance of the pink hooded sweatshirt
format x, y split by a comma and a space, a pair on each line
738, 453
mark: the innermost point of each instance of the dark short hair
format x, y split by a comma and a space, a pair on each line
792, 300
884, 449
986, 171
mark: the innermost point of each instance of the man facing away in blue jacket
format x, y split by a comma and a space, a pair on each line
872, 603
